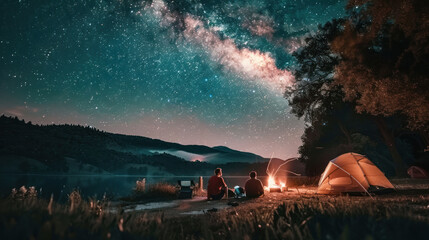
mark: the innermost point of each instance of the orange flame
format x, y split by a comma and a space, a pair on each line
272, 183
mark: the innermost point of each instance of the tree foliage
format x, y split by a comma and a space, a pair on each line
333, 125
385, 58
316, 98
314, 93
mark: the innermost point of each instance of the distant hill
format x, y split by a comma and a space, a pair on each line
74, 149
216, 155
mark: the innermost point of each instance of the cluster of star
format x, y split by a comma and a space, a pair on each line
207, 73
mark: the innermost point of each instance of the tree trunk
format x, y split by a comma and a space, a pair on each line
345, 132
425, 136
389, 140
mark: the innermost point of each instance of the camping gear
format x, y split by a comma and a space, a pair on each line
352, 172
417, 172
239, 192
186, 189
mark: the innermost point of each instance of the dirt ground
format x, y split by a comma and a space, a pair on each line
410, 192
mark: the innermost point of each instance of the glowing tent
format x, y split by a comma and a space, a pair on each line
352, 172
417, 172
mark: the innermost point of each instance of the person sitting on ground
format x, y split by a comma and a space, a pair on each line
254, 187
216, 187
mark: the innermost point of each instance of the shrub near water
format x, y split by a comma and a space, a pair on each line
161, 190
154, 192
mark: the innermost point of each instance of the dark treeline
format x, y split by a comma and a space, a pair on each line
51, 145
362, 85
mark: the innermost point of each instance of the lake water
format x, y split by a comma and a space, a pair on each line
113, 186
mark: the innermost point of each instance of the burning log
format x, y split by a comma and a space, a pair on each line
276, 189
273, 187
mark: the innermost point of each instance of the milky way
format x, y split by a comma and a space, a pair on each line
192, 72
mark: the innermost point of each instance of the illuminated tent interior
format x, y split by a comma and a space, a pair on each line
352, 172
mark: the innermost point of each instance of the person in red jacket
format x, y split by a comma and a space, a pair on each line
216, 187
254, 187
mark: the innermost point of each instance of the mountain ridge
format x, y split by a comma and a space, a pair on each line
58, 147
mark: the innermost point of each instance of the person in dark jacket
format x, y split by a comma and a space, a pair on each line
254, 187
216, 187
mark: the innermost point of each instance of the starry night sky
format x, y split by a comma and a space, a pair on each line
192, 72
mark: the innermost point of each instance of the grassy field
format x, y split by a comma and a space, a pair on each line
403, 214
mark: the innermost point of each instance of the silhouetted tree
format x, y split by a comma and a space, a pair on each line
385, 58
313, 93
319, 98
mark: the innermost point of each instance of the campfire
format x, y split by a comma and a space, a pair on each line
273, 185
